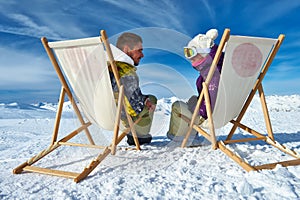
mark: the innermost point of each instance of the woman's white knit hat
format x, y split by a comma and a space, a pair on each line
204, 41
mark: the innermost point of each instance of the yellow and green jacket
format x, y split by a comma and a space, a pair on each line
135, 100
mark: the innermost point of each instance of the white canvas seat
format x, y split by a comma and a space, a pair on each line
82, 67
246, 62
230, 98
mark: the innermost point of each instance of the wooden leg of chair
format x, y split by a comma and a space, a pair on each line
117, 120
235, 157
125, 132
92, 165
282, 148
134, 135
210, 120
266, 112
19, 169
194, 116
87, 132
287, 163
243, 111
58, 115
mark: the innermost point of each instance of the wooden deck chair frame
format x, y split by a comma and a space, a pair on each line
210, 136
55, 143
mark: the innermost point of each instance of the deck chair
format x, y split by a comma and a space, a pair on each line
245, 64
82, 68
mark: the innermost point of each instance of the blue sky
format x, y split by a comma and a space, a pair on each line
166, 26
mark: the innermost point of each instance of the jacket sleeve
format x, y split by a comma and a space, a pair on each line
202, 109
213, 92
213, 85
133, 92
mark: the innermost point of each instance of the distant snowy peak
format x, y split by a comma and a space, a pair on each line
275, 103
22, 106
67, 107
283, 103
37, 106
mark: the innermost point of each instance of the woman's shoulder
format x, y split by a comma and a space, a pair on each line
214, 49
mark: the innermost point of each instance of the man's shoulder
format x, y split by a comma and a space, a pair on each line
124, 64
125, 68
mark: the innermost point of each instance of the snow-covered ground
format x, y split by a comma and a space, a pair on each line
162, 170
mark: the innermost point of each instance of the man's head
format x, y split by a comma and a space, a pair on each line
131, 44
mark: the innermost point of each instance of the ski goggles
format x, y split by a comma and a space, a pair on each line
190, 52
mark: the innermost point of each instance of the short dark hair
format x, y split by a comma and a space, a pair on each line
129, 39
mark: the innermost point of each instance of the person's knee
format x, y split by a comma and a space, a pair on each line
178, 106
153, 99
192, 102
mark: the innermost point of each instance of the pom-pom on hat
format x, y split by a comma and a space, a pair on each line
204, 42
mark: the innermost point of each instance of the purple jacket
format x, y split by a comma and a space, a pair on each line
214, 83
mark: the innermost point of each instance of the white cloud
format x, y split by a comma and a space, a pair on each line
24, 25
267, 12
49, 19
210, 10
24, 71
157, 13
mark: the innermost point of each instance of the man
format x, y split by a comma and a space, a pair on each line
139, 106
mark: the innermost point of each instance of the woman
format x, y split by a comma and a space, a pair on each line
200, 51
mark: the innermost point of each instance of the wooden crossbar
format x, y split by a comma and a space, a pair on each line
47, 171
283, 163
244, 140
81, 145
248, 167
67, 174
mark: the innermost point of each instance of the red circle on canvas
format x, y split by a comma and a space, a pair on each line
246, 59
